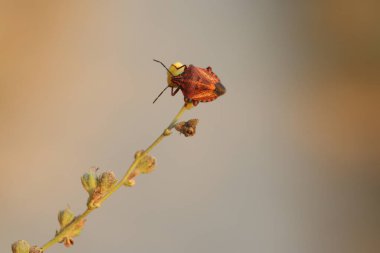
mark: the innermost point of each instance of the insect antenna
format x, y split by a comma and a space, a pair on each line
164, 67
160, 94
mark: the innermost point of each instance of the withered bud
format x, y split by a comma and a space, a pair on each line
188, 128
130, 182
90, 181
132, 177
146, 164
138, 153
67, 240
107, 180
20, 246
35, 249
65, 217
95, 198
167, 132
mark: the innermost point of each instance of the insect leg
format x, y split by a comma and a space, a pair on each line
175, 92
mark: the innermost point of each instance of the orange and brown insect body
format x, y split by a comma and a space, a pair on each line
197, 84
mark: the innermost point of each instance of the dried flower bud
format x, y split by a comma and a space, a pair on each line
187, 128
90, 181
146, 164
167, 132
95, 198
107, 180
20, 246
35, 249
130, 182
138, 153
67, 239
68, 242
65, 217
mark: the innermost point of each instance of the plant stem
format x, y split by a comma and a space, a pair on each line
120, 183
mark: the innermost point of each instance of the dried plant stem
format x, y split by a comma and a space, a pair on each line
120, 183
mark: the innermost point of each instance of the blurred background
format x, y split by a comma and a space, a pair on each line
288, 160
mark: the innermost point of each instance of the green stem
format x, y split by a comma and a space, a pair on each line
121, 182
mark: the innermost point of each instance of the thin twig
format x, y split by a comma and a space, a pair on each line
59, 236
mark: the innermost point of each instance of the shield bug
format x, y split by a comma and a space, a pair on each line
197, 84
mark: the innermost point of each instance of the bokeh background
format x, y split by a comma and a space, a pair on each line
287, 161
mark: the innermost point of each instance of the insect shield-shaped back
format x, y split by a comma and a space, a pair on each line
197, 84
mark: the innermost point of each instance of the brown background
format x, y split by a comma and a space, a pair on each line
286, 161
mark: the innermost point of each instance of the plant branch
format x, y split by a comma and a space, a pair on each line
63, 232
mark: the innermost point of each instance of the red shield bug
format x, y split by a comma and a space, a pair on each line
197, 84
